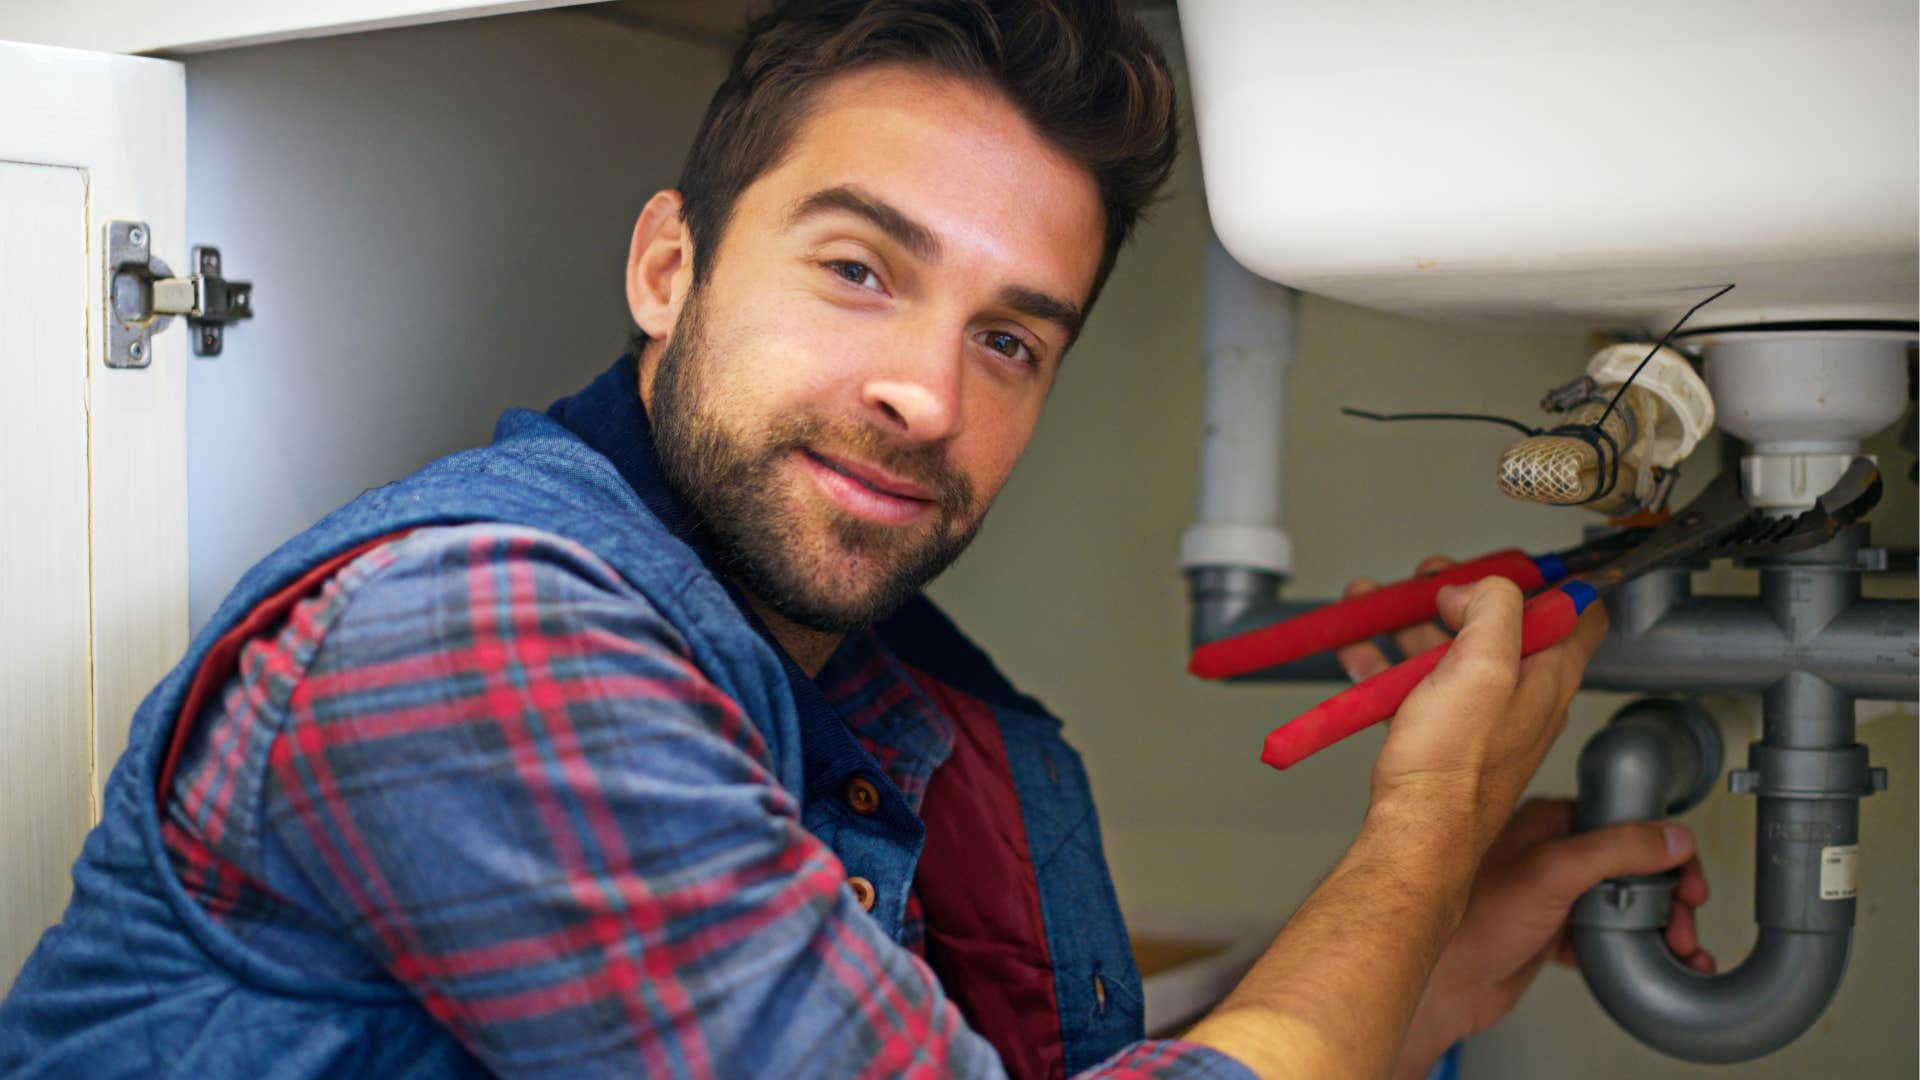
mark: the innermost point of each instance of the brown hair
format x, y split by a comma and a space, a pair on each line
1090, 80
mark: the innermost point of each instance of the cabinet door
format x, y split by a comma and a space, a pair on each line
93, 557
192, 25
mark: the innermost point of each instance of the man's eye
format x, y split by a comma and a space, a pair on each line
1008, 345
856, 272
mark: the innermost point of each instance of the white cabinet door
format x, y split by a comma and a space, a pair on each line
93, 554
192, 25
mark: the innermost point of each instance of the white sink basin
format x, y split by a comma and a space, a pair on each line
1567, 162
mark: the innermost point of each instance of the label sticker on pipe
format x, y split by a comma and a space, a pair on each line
1839, 866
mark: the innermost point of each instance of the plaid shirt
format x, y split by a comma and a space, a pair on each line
478, 763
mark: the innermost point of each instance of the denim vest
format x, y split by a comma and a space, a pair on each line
137, 979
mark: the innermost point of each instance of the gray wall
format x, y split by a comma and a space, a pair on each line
459, 198
435, 221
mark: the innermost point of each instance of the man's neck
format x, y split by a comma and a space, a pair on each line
810, 648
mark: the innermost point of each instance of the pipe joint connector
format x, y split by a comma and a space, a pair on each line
1779, 772
1638, 903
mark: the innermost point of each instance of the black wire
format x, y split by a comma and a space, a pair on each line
1604, 446
1517, 425
1657, 346
1593, 434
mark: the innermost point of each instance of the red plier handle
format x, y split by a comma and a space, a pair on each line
1546, 621
1389, 607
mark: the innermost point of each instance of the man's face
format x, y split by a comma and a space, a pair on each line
844, 396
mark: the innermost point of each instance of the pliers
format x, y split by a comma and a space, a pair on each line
1394, 606
1718, 523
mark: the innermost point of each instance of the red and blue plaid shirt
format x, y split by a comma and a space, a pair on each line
476, 762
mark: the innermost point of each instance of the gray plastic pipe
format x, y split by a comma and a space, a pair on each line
1666, 640
1236, 554
1809, 776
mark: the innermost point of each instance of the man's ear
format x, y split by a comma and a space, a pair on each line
659, 266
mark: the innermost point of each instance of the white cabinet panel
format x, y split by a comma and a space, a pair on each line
92, 461
45, 688
190, 25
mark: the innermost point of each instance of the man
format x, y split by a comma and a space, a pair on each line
627, 743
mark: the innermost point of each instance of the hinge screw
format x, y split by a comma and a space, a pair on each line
136, 350
137, 236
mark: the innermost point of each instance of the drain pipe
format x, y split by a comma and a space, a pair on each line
1810, 644
1664, 638
1235, 554
1810, 776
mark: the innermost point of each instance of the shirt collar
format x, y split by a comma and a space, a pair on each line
878, 699
608, 416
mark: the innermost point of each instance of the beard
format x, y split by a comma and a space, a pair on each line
815, 565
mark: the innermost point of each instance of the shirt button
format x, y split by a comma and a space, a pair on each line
862, 891
862, 795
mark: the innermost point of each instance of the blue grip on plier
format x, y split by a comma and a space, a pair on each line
1552, 567
1581, 594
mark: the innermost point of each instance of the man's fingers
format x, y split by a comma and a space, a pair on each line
1563, 953
1589, 632
1692, 889
1572, 655
1536, 822
1432, 565
1682, 938
1451, 604
1550, 678
1566, 868
1488, 645
1415, 640
1545, 689
1362, 659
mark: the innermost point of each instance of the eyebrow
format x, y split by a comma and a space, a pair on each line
1032, 302
903, 230
922, 242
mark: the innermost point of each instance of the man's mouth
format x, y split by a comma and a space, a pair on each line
875, 479
867, 492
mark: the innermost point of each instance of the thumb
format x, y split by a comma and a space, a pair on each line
1485, 656
1569, 867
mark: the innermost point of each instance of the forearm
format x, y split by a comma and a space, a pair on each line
1334, 994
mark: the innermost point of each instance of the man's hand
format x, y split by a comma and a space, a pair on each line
1468, 739
1516, 917
1533, 872
1337, 992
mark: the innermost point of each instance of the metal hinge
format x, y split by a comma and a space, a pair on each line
143, 296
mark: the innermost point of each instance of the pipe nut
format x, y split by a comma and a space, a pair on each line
1641, 903
1779, 772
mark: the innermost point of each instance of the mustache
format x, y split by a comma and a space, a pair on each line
925, 464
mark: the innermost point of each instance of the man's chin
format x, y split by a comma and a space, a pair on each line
844, 594
837, 574
839, 613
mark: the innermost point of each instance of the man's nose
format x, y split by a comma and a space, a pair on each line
917, 395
